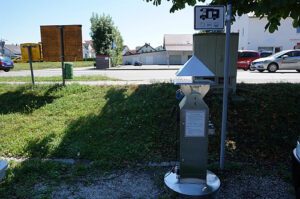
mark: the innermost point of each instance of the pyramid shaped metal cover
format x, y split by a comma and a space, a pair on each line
194, 67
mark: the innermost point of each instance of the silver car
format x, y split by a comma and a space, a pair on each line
284, 60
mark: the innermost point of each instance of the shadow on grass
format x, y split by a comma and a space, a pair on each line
135, 125
24, 100
262, 125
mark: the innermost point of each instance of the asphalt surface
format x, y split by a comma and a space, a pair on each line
150, 74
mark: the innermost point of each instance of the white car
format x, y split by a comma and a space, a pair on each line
284, 60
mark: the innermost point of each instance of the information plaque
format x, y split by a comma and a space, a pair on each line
195, 124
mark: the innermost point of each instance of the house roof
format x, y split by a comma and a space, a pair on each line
15, 49
178, 42
145, 45
131, 52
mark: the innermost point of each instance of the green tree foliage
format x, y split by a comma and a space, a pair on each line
102, 33
116, 52
274, 10
107, 39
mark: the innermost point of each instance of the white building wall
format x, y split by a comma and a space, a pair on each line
241, 26
92, 53
286, 37
184, 55
153, 58
253, 35
85, 53
156, 58
88, 52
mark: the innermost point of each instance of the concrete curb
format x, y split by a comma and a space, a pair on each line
140, 69
96, 83
71, 161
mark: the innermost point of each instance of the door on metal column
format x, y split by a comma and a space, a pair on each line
175, 59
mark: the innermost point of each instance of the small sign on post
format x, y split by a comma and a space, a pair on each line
209, 17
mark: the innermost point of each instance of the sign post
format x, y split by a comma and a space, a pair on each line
225, 89
29, 50
212, 18
62, 53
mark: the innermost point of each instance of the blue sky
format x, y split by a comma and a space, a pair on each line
138, 21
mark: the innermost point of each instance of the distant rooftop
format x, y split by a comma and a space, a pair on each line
14, 48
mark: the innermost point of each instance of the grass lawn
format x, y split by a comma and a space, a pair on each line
95, 123
55, 78
121, 126
44, 65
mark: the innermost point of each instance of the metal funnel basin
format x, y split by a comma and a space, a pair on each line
195, 68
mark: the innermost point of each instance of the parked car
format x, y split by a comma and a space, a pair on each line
296, 169
265, 53
245, 58
6, 63
284, 60
138, 63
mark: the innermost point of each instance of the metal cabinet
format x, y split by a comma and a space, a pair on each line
210, 49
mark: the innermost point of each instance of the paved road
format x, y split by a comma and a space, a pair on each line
266, 77
155, 75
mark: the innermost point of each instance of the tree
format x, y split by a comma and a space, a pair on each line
116, 52
102, 33
107, 39
274, 10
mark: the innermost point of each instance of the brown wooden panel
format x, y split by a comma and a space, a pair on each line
50, 36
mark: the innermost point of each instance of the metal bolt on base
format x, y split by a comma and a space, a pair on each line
192, 186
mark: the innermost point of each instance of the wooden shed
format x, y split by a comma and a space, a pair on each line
51, 47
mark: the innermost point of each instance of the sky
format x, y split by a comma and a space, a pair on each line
138, 21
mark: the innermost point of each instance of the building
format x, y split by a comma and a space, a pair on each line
159, 48
88, 50
147, 48
179, 48
125, 50
12, 50
176, 50
253, 36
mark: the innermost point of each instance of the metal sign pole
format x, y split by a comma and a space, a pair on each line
225, 90
62, 52
30, 63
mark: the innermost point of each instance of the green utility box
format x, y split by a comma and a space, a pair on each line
210, 49
68, 70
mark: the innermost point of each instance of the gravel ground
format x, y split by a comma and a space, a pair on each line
129, 185
148, 184
249, 186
